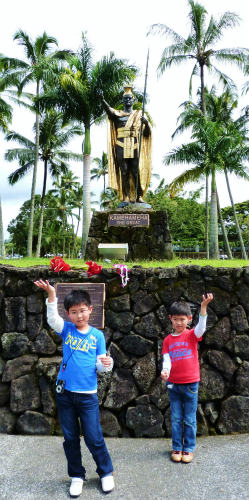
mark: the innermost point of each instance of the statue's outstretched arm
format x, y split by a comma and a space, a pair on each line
105, 104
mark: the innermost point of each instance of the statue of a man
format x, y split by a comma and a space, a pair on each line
128, 174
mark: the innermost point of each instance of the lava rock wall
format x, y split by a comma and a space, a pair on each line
133, 399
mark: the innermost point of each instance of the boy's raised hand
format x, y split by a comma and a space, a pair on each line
205, 301
45, 285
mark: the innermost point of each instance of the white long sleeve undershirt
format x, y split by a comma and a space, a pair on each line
56, 322
199, 330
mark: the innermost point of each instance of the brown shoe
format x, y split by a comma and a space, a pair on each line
187, 456
176, 456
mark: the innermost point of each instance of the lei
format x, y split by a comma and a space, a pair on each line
58, 264
122, 270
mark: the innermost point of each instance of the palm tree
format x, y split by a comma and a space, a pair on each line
204, 152
234, 163
101, 170
5, 120
39, 68
217, 147
199, 48
109, 199
220, 109
61, 203
53, 137
77, 95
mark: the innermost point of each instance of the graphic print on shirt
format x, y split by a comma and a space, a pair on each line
179, 351
77, 344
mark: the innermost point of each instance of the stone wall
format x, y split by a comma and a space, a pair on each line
133, 398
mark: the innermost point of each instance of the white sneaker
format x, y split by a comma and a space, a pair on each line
76, 487
107, 483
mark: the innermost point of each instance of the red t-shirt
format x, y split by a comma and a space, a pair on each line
183, 353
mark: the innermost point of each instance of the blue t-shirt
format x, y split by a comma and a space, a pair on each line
80, 351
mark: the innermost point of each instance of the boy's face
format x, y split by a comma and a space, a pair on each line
79, 315
179, 322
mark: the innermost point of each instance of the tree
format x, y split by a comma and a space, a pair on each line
53, 137
18, 227
109, 199
39, 69
231, 137
5, 120
220, 109
77, 95
199, 48
242, 212
57, 231
101, 170
61, 202
185, 214
205, 152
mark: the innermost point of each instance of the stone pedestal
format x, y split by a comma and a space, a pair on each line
148, 242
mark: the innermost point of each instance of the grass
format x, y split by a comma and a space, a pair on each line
80, 264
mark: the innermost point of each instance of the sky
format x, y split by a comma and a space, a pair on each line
121, 28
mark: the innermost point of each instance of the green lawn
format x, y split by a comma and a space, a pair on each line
80, 264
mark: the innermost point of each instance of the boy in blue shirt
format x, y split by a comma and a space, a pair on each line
84, 351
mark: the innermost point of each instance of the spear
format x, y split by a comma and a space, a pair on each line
141, 128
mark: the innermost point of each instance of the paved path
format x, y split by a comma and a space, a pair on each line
33, 468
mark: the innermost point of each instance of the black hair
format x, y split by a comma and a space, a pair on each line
180, 308
76, 297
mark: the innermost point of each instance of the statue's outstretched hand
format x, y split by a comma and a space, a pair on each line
100, 93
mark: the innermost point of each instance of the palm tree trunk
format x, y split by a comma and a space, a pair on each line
243, 251
214, 245
224, 232
86, 189
2, 246
74, 251
32, 209
203, 109
38, 248
104, 183
207, 221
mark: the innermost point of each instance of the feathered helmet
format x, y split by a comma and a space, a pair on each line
128, 90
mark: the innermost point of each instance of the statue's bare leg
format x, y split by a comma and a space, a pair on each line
125, 180
134, 170
123, 166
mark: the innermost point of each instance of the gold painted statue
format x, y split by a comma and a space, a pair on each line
128, 174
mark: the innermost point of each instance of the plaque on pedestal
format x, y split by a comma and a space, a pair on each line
97, 295
123, 219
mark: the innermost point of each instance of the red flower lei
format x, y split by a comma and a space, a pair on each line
57, 264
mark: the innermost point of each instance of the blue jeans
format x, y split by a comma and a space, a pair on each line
73, 406
183, 403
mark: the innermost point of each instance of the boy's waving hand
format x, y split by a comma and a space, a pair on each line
45, 285
205, 301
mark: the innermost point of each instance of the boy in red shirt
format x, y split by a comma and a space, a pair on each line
181, 371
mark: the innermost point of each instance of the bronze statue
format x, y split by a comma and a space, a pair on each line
129, 174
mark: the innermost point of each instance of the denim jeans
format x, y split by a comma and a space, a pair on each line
73, 406
183, 404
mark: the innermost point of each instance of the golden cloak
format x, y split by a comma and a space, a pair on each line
113, 134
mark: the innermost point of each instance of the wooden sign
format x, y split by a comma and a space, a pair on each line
97, 295
136, 220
